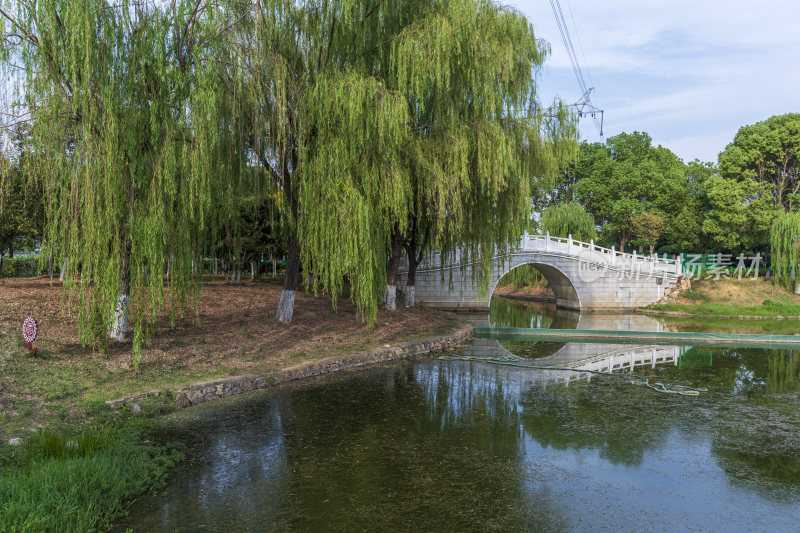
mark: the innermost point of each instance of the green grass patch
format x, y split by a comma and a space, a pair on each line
54, 482
768, 308
734, 324
695, 296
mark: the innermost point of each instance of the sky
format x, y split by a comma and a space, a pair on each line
688, 72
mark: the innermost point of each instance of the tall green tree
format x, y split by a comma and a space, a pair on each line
389, 124
647, 229
683, 231
323, 129
480, 139
626, 177
14, 222
767, 153
124, 136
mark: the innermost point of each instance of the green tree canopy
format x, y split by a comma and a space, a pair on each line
480, 139
785, 247
384, 123
16, 218
767, 153
563, 220
647, 228
625, 177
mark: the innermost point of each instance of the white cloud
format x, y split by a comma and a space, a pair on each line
689, 73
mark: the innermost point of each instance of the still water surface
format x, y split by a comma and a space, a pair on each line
432, 445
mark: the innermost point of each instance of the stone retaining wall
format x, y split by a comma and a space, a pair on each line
212, 390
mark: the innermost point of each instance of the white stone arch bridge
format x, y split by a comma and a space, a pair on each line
583, 276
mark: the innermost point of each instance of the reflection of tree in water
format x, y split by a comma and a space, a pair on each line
754, 430
505, 313
608, 414
523, 314
783, 371
757, 438
432, 445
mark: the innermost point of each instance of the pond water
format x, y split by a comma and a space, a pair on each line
434, 445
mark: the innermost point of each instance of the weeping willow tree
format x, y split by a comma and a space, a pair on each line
384, 124
562, 220
125, 135
319, 127
785, 245
479, 136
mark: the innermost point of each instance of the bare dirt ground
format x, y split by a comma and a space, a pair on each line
532, 291
234, 332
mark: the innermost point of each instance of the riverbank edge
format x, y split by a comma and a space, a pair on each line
206, 391
655, 312
542, 299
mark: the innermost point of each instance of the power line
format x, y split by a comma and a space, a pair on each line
584, 106
580, 45
573, 57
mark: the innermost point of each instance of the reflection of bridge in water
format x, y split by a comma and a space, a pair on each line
574, 356
591, 357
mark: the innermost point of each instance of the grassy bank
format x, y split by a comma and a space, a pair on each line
80, 463
79, 482
733, 298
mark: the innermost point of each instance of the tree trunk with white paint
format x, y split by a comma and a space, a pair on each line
119, 326
253, 271
414, 250
409, 294
390, 294
63, 270
286, 304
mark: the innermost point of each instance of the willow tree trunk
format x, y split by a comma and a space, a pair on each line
274, 261
253, 271
390, 295
50, 267
119, 326
286, 304
411, 282
290, 280
63, 270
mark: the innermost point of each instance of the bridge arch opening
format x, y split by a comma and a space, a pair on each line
564, 291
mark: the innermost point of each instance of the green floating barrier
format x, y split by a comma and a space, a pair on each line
641, 337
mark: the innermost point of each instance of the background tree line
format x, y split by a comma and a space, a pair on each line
644, 197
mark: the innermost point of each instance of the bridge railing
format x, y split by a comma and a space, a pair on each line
584, 251
610, 256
